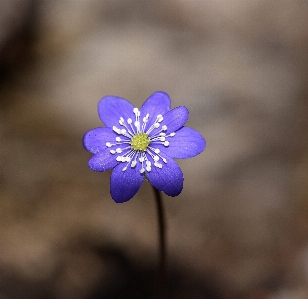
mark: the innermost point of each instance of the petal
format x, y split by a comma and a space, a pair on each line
186, 143
158, 103
125, 184
168, 179
174, 119
111, 108
103, 160
95, 139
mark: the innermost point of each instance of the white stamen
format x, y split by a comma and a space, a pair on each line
159, 118
166, 143
131, 127
158, 165
114, 128
121, 121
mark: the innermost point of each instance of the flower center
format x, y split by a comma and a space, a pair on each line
140, 142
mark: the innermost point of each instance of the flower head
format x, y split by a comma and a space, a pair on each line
142, 143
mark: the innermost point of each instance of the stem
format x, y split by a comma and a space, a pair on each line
162, 245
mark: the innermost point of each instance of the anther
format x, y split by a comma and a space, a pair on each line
121, 121
159, 118
166, 143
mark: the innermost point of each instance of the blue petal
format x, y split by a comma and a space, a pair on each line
174, 119
186, 143
125, 184
168, 179
158, 103
95, 139
103, 160
111, 108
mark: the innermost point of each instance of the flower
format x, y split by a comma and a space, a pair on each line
142, 143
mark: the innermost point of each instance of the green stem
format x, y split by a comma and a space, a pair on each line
162, 245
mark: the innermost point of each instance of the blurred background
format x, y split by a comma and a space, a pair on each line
239, 229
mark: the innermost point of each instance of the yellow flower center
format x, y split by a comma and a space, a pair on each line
140, 142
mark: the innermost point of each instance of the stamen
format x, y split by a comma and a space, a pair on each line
114, 128
158, 165
121, 121
159, 118
139, 140
148, 167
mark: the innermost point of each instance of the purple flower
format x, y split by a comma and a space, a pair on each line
142, 143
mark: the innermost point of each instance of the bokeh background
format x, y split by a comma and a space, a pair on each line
239, 229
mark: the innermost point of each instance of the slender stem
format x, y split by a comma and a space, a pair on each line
162, 245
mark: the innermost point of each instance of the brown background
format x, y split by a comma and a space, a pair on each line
239, 229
